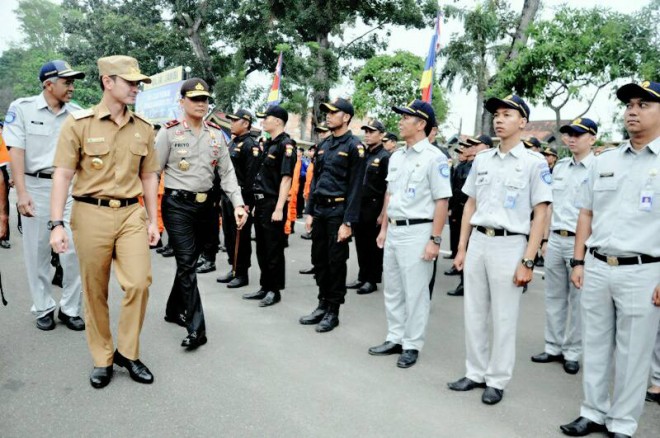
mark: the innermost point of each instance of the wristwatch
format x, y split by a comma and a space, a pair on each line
576, 262
528, 263
436, 239
53, 224
348, 224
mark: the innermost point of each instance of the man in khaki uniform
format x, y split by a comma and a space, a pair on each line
110, 151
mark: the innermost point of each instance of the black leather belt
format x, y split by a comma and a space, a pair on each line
42, 175
622, 261
496, 231
406, 222
113, 203
262, 196
564, 233
327, 200
199, 197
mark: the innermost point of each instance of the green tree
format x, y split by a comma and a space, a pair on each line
579, 53
389, 80
41, 24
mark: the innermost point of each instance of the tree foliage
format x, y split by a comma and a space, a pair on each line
389, 80
580, 52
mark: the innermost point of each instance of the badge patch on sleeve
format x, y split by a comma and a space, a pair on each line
289, 150
443, 169
10, 116
360, 149
546, 175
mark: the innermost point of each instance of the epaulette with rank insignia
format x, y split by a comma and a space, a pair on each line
214, 125
82, 113
172, 123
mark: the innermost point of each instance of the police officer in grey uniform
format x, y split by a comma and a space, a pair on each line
504, 186
32, 126
191, 151
416, 204
563, 338
617, 266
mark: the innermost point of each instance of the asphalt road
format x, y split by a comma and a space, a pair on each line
264, 375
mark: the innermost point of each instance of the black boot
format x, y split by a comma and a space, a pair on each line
316, 316
330, 320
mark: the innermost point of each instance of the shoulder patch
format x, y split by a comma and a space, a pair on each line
143, 118
360, 148
81, 114
213, 125
171, 123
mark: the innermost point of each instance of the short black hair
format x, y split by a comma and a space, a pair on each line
428, 127
113, 77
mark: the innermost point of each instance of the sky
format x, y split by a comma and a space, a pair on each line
462, 104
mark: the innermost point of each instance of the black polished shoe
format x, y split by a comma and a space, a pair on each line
492, 396
138, 371
157, 246
100, 376
316, 316
272, 297
617, 435
458, 292
306, 236
329, 322
168, 251
46, 322
207, 266
194, 340
582, 427
238, 281
385, 349
307, 271
179, 319
355, 285
547, 358
5, 244
74, 323
407, 358
162, 248
465, 384
452, 271
258, 295
366, 288
571, 366
652, 397
229, 276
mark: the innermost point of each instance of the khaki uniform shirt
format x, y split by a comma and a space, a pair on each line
32, 126
190, 161
623, 192
417, 177
506, 187
107, 158
567, 179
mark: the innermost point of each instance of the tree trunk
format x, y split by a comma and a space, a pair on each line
530, 8
322, 90
478, 119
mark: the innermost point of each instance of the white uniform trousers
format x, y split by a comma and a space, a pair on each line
619, 329
36, 250
406, 278
490, 294
562, 301
655, 362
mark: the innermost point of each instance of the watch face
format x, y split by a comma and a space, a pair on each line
529, 263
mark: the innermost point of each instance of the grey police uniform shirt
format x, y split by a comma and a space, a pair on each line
203, 153
567, 178
32, 126
417, 177
506, 187
623, 192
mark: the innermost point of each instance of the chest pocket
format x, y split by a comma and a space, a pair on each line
605, 184
517, 184
96, 149
483, 180
558, 184
139, 148
338, 163
271, 157
37, 130
416, 176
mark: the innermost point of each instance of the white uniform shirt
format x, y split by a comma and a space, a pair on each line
32, 126
417, 177
506, 187
623, 192
567, 179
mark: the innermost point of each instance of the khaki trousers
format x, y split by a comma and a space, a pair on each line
102, 234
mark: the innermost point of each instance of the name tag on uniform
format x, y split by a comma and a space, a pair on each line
646, 200
343, 154
410, 192
510, 199
95, 139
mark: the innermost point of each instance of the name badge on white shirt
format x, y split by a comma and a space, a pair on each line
646, 200
510, 199
410, 193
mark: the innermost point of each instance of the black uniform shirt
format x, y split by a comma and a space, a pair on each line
458, 178
245, 156
338, 173
277, 160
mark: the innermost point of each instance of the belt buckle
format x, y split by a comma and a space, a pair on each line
114, 203
563, 233
200, 197
258, 196
612, 261
490, 232
391, 221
